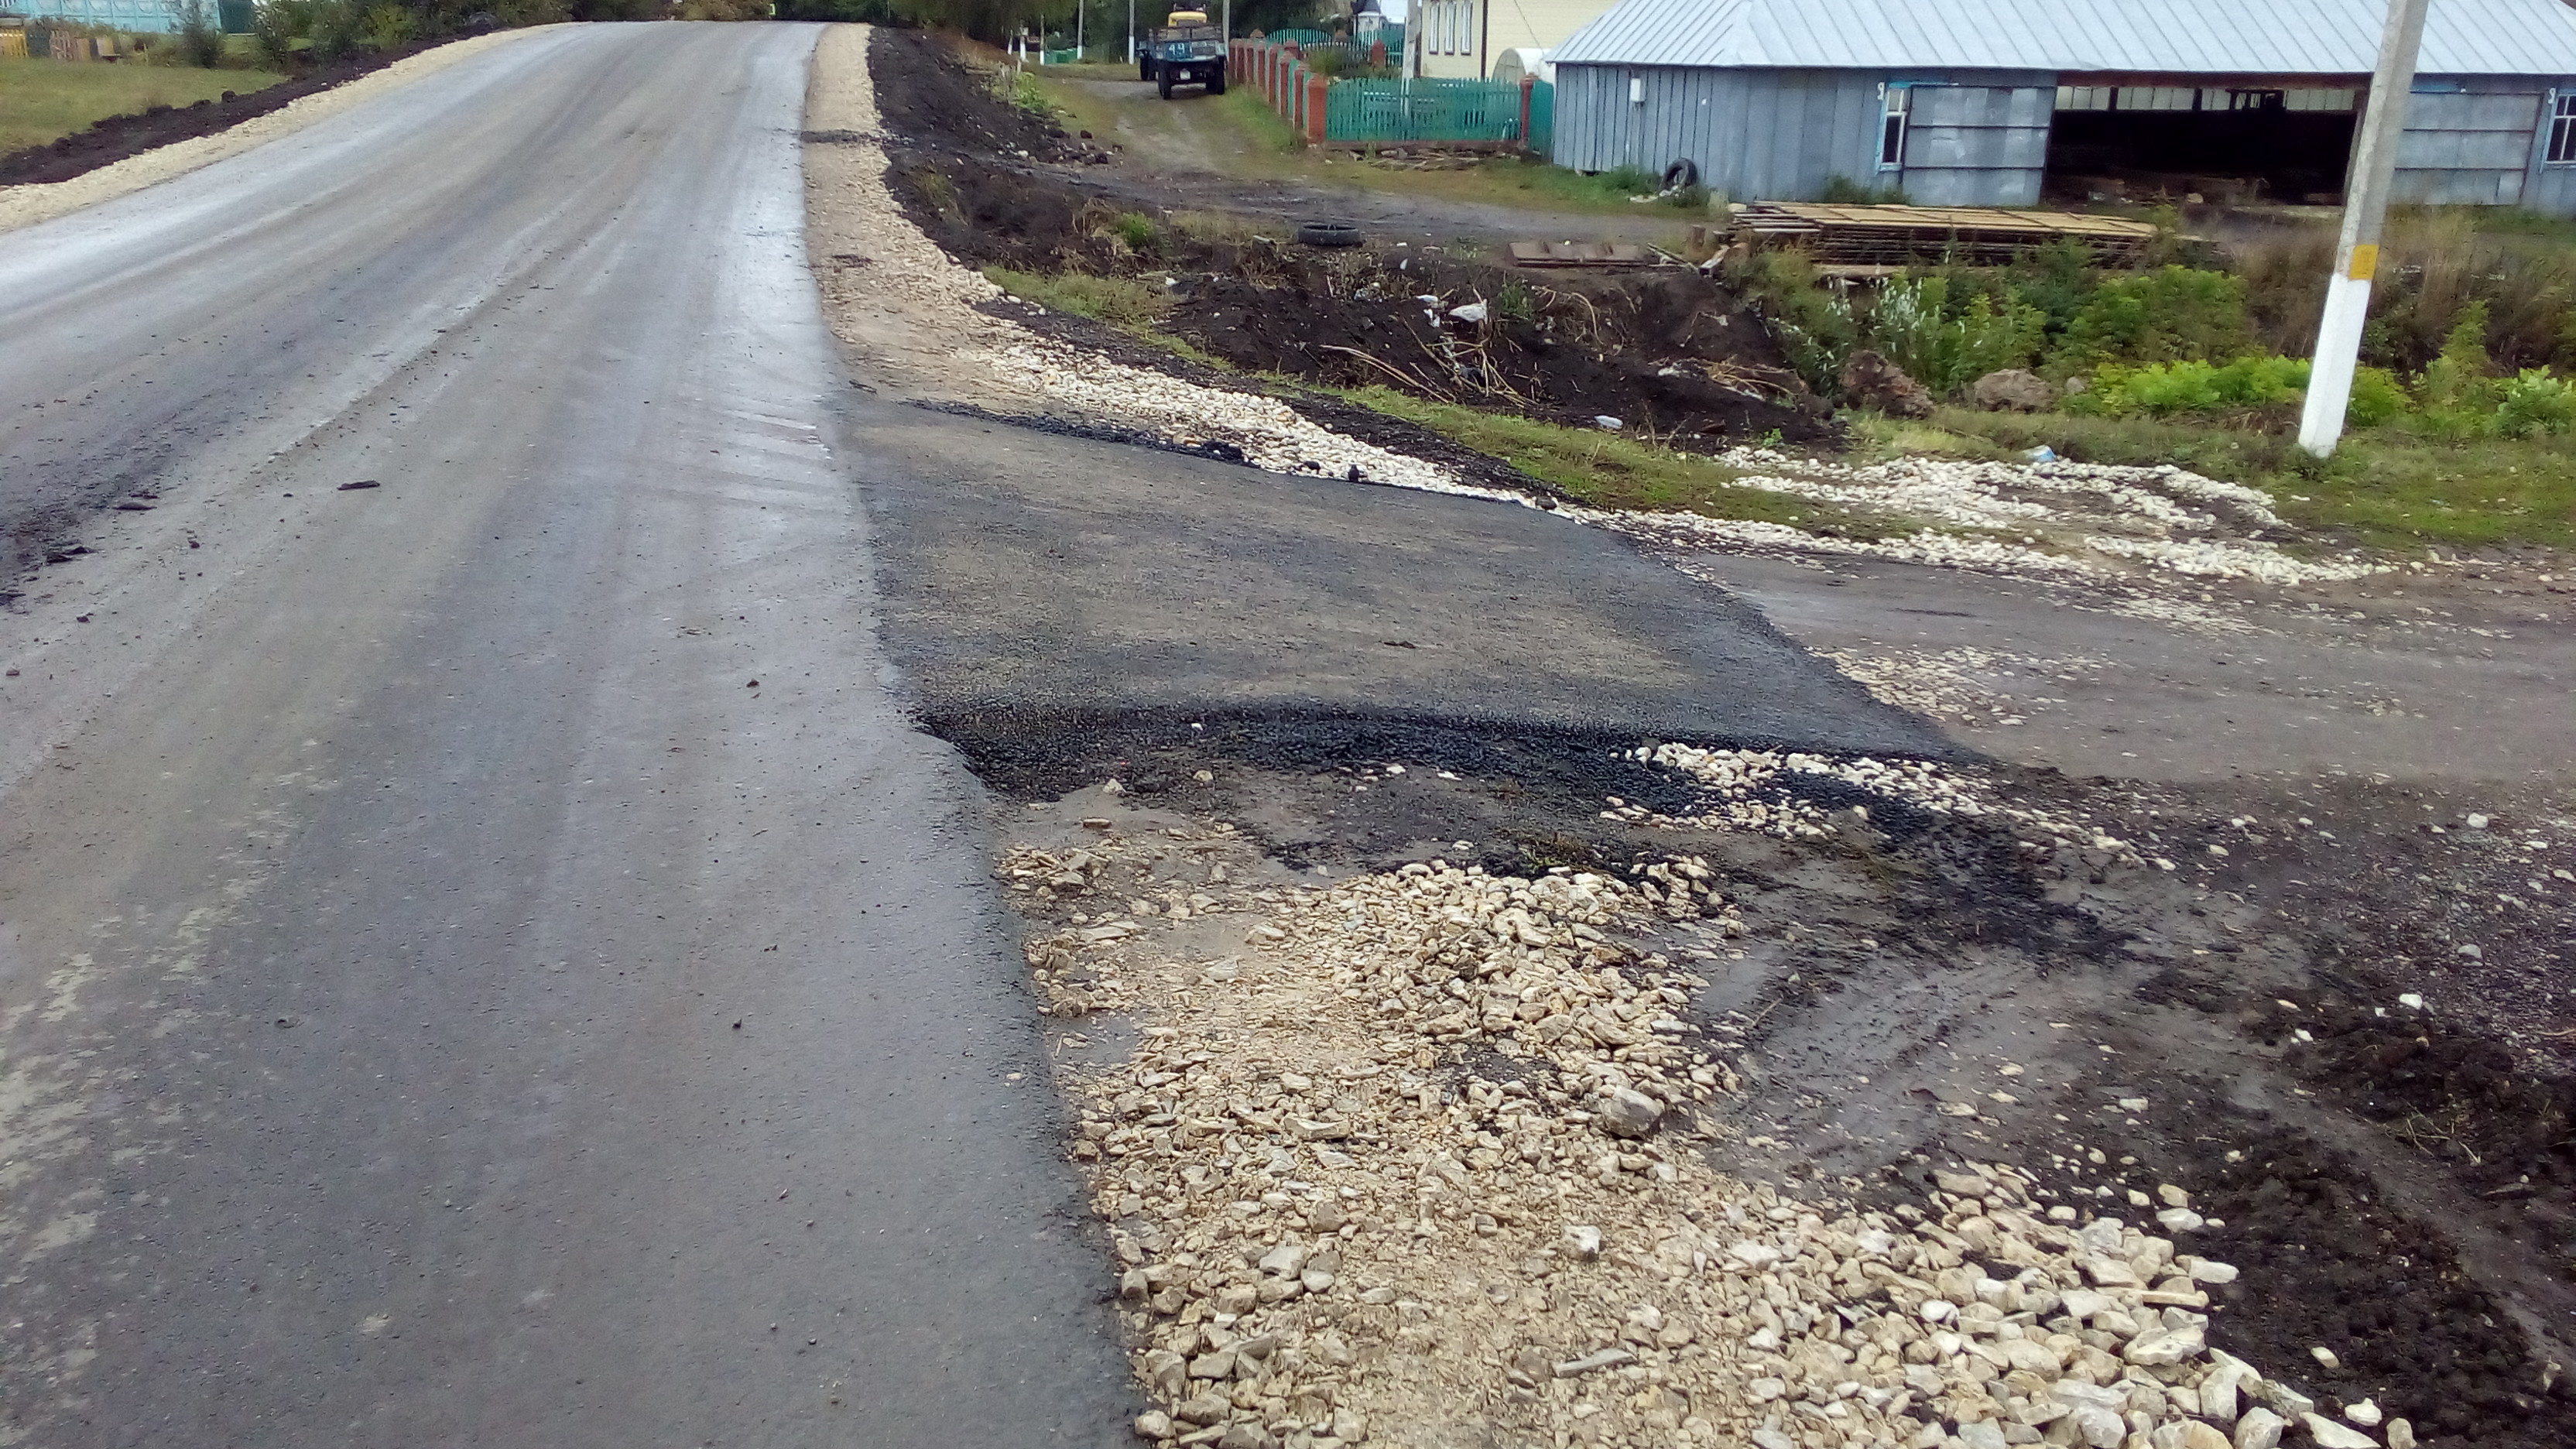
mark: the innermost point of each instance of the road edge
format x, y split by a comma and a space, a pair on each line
31, 203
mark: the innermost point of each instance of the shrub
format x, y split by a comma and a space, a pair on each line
276, 25
1816, 328
2166, 389
2171, 314
1630, 180
2536, 401
388, 27
334, 30
2457, 377
1693, 197
1138, 230
1946, 348
201, 35
2376, 398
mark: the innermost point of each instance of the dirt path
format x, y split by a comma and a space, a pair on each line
1179, 155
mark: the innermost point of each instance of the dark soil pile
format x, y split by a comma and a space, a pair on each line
1670, 354
117, 137
928, 96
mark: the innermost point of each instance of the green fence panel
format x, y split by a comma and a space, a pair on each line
1422, 110
1300, 38
1067, 56
1542, 118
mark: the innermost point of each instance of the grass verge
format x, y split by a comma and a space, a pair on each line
1606, 470
2385, 488
44, 100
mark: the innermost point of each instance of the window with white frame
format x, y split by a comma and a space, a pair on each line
1891, 128
2562, 131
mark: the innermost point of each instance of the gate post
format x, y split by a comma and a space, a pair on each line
1528, 84
1318, 88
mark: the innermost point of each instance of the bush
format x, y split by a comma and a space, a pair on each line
2166, 389
276, 25
1138, 230
1816, 328
2376, 398
2457, 377
2535, 402
2171, 314
388, 27
334, 30
201, 35
1946, 348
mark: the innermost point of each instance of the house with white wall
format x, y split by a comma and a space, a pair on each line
1466, 39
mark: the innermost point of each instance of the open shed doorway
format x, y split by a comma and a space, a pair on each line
2225, 144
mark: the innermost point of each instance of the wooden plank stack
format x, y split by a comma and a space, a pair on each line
1851, 237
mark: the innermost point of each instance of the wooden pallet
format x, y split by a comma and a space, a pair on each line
1609, 255
1891, 236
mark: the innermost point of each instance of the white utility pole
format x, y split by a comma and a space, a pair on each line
1131, 32
2365, 215
1081, 8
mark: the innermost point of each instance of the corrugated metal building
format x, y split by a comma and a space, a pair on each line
1982, 102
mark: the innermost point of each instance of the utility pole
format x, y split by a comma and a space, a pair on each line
2365, 216
1131, 32
1080, 9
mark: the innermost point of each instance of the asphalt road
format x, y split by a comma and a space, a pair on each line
441, 1000
488, 957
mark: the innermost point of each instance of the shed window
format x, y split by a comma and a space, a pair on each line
1891, 129
2562, 131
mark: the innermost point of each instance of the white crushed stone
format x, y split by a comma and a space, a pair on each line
1756, 790
1412, 1165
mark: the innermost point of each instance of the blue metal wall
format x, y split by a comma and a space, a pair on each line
1980, 138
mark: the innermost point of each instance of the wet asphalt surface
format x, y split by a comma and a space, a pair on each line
495, 957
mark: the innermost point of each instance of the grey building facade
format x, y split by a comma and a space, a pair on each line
1991, 102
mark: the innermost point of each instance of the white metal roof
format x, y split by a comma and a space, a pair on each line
2176, 37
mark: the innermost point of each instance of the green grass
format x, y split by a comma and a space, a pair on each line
1120, 301
1609, 470
2384, 488
41, 100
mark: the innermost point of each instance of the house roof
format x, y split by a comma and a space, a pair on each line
2157, 37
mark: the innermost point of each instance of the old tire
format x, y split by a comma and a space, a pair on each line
1328, 233
1216, 82
1684, 172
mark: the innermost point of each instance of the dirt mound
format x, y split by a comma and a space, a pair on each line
1670, 355
928, 94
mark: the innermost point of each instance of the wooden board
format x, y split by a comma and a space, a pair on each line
1586, 254
1854, 236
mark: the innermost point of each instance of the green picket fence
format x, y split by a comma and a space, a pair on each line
1542, 118
1068, 56
1422, 110
1299, 38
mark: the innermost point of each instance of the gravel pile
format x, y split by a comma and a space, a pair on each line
1408, 1159
2074, 521
1771, 791
1952, 683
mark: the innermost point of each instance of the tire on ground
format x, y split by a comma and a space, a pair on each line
1684, 172
1163, 83
1328, 233
1216, 82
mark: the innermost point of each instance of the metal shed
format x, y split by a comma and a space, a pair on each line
1991, 102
